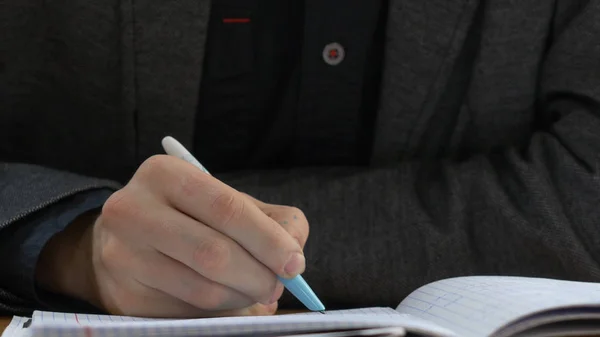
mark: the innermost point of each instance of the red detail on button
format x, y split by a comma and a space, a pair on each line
236, 20
333, 54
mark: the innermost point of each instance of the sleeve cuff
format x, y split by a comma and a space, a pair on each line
23, 243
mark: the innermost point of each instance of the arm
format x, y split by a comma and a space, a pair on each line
144, 253
378, 234
37, 203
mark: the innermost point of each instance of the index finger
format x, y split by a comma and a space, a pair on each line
292, 219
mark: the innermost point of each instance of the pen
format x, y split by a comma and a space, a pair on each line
297, 285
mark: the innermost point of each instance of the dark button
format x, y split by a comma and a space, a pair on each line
333, 54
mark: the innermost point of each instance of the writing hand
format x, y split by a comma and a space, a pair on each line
176, 242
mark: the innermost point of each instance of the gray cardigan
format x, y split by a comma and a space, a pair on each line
486, 142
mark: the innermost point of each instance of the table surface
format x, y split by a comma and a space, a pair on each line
3, 323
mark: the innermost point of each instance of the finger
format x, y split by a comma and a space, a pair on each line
291, 219
139, 300
161, 272
120, 292
254, 310
224, 209
148, 302
124, 295
154, 304
201, 248
261, 309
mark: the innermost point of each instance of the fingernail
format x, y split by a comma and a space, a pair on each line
295, 265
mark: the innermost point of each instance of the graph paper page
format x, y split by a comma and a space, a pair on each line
48, 324
480, 305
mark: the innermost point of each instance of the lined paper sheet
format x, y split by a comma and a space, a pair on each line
47, 324
70, 318
480, 305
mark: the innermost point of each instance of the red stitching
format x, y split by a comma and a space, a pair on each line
236, 20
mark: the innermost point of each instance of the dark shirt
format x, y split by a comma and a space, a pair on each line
243, 118
285, 83
269, 98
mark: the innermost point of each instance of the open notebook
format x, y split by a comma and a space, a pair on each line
476, 306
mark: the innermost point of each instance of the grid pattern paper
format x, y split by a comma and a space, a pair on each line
482, 305
48, 324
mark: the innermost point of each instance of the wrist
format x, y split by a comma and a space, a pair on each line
65, 264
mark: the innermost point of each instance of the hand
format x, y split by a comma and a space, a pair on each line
176, 242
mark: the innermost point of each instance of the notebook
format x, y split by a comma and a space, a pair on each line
471, 306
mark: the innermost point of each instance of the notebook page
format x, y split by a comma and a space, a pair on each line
92, 319
47, 324
480, 305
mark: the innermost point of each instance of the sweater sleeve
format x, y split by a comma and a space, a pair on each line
24, 242
35, 204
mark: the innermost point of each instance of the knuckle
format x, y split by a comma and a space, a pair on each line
297, 212
193, 182
153, 165
227, 207
118, 205
111, 254
211, 256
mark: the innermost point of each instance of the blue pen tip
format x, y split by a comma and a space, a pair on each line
300, 289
